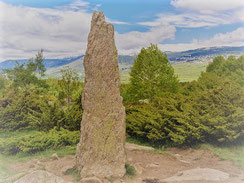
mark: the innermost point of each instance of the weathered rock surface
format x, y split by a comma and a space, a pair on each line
132, 147
40, 176
199, 174
90, 180
101, 150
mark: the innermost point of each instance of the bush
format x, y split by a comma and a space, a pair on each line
130, 170
15, 107
169, 120
221, 111
53, 113
41, 141
208, 110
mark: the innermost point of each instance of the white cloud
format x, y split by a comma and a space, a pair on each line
201, 13
208, 6
26, 30
196, 20
115, 21
234, 38
190, 20
79, 3
132, 42
61, 32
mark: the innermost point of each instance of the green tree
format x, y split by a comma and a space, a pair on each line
152, 75
69, 84
2, 82
23, 75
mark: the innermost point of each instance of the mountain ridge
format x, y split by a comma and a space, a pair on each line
54, 66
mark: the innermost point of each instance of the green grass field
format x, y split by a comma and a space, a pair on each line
185, 71
189, 71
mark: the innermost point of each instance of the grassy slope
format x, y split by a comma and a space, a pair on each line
185, 71
234, 153
189, 71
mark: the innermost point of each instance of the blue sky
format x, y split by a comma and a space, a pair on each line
61, 27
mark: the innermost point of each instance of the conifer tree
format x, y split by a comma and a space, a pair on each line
152, 74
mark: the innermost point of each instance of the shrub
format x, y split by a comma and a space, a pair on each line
221, 111
53, 113
170, 120
41, 141
130, 170
14, 109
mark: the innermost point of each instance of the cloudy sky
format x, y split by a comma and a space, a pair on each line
61, 27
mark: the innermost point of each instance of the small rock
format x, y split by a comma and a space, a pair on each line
67, 167
153, 165
130, 159
55, 156
90, 180
39, 163
13, 178
139, 169
199, 174
117, 181
151, 180
132, 147
40, 176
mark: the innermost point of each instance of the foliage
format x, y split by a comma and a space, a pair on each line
169, 120
152, 74
62, 107
68, 84
41, 141
130, 170
221, 111
208, 110
15, 106
2, 82
40, 108
52, 114
24, 75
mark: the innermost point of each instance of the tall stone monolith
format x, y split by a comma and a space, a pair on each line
101, 150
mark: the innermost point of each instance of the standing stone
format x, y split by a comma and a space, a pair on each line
101, 151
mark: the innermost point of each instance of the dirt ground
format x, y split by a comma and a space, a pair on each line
152, 167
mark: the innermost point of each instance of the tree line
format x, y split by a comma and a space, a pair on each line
159, 108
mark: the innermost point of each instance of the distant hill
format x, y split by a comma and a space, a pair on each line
49, 63
204, 53
54, 66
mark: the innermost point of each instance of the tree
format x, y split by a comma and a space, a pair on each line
2, 82
68, 84
152, 75
24, 75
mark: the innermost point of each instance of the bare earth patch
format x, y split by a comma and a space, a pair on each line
152, 167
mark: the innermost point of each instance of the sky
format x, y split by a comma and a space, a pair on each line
61, 27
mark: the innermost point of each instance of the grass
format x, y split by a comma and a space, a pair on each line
189, 71
74, 172
235, 153
185, 71
138, 141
